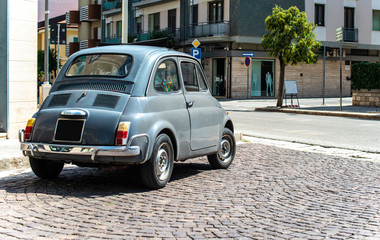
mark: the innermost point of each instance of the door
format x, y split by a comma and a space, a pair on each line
201, 106
262, 78
219, 77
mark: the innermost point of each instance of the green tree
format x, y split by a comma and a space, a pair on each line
41, 62
291, 39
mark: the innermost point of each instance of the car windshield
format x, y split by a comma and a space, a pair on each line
100, 65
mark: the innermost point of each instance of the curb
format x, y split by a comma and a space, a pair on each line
321, 113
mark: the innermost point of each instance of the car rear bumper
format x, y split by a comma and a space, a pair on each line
103, 154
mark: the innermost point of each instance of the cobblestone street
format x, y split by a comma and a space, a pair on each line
267, 193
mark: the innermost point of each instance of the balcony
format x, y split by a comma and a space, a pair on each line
90, 43
109, 5
350, 35
148, 3
72, 48
114, 40
90, 13
72, 17
210, 29
169, 33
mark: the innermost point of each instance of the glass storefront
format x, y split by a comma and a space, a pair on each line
262, 78
219, 77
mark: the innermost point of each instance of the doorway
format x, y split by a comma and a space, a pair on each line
262, 78
219, 77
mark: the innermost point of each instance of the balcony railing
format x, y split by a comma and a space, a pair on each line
72, 48
167, 32
109, 5
350, 35
72, 17
114, 40
90, 13
210, 29
88, 43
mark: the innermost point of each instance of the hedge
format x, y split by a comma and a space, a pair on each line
365, 76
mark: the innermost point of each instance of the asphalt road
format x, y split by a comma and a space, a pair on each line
338, 132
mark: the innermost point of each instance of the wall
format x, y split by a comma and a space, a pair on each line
22, 63
248, 17
3, 65
310, 84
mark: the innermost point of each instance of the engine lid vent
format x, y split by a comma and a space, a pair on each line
59, 100
104, 100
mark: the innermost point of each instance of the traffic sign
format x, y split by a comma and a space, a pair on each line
247, 61
196, 43
196, 52
248, 54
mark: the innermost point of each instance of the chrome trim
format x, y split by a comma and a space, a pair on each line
74, 112
21, 135
92, 151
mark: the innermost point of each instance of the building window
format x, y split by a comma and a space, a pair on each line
215, 11
154, 22
172, 16
118, 29
195, 14
319, 15
138, 25
96, 33
349, 17
376, 20
109, 28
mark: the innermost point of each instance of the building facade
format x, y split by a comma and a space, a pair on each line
228, 30
18, 68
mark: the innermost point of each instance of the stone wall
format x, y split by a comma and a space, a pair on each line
368, 98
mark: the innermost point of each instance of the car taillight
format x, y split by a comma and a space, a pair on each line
122, 133
28, 129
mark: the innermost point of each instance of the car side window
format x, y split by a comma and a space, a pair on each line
189, 75
166, 77
201, 79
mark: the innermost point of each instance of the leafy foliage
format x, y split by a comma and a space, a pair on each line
41, 61
291, 39
366, 76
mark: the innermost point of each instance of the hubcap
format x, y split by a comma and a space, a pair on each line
163, 161
225, 149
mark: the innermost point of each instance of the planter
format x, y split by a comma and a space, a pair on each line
367, 98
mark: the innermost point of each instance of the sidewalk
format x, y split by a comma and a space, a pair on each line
11, 156
311, 106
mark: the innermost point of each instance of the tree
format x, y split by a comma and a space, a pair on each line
291, 39
41, 61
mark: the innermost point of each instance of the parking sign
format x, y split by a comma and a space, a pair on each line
196, 52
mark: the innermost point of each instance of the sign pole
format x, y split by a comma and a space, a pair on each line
341, 84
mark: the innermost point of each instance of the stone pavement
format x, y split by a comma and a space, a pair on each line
267, 193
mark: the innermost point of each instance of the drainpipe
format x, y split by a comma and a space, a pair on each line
124, 22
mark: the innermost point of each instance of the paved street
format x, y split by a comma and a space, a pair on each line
268, 193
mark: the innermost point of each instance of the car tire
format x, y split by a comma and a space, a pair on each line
223, 158
156, 172
45, 169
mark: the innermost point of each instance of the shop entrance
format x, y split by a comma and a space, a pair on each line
219, 77
262, 79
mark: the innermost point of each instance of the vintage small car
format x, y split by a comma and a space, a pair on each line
115, 106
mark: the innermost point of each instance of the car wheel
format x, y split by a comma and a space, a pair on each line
45, 168
226, 152
156, 172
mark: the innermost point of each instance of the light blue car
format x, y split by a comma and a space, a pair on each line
125, 105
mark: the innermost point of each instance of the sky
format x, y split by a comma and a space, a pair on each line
56, 8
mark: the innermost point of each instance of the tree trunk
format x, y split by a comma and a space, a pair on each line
281, 82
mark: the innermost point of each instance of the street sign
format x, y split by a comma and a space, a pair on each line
248, 54
339, 34
196, 43
247, 61
196, 52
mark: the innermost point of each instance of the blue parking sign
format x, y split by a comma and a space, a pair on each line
196, 52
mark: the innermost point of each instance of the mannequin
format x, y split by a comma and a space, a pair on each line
268, 80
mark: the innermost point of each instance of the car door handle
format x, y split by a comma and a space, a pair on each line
189, 103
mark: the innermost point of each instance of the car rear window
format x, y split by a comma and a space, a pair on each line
116, 65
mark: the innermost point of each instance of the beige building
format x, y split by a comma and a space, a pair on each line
18, 68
